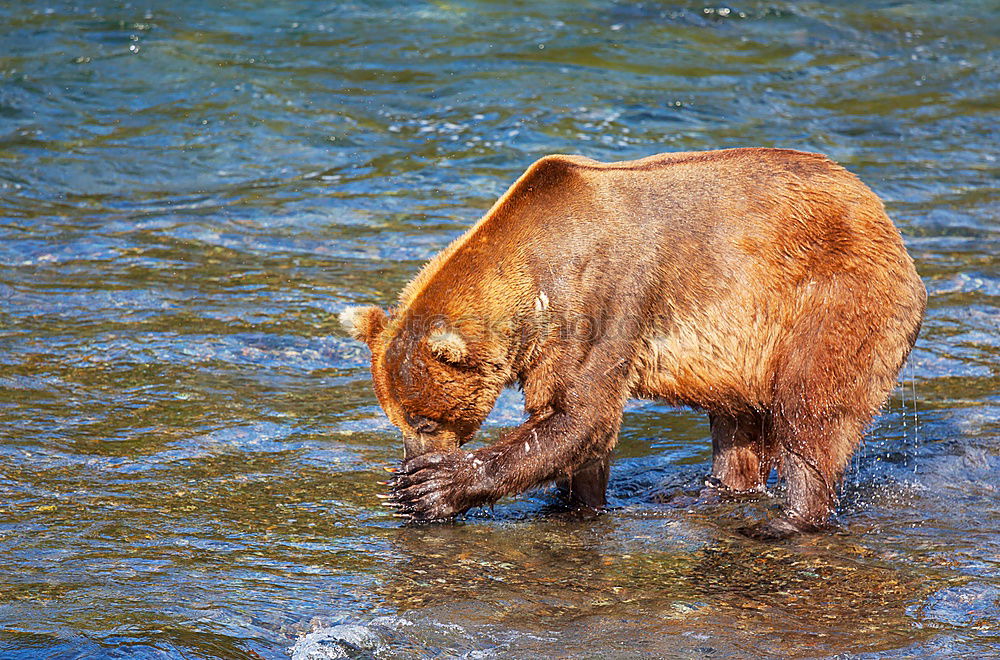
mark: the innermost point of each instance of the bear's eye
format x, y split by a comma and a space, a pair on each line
421, 424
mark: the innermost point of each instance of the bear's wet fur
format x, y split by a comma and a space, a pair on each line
766, 287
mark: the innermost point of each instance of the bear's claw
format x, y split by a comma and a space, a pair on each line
433, 486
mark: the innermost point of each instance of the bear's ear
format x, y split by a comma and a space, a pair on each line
364, 323
448, 346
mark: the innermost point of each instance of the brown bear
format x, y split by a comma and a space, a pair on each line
764, 286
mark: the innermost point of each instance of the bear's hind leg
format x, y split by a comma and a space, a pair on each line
832, 376
586, 487
814, 454
741, 459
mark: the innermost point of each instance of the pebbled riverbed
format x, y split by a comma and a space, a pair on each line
189, 445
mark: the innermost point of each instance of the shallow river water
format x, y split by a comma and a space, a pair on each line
190, 192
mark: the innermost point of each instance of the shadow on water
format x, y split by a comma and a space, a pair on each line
190, 192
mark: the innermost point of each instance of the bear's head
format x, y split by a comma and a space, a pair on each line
435, 377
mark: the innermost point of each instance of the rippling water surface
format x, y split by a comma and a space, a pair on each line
189, 192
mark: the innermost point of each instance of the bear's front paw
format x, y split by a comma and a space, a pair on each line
437, 486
